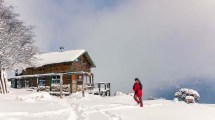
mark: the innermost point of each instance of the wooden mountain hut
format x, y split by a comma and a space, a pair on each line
72, 61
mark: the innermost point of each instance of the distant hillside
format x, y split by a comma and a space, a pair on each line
206, 89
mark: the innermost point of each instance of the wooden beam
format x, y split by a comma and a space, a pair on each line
48, 74
61, 85
37, 81
83, 94
50, 78
71, 78
77, 83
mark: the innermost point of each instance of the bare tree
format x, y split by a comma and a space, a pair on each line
16, 39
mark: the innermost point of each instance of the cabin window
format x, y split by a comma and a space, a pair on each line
27, 83
84, 62
41, 81
80, 80
56, 79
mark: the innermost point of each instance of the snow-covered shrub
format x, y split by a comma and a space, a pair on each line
187, 95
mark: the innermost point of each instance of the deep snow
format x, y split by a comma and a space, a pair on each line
21, 104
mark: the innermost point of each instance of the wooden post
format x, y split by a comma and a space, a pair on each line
77, 83
99, 88
86, 78
24, 82
109, 88
93, 80
18, 85
83, 95
71, 78
90, 77
71, 83
37, 82
61, 85
50, 78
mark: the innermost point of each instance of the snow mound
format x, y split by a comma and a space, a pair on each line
77, 97
119, 93
35, 97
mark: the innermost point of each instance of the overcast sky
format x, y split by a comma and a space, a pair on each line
161, 42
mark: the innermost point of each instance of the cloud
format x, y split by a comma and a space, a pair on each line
161, 42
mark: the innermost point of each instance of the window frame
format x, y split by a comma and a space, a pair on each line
56, 79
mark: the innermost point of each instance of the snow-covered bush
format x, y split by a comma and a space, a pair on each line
187, 95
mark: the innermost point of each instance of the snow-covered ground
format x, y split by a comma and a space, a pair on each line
21, 104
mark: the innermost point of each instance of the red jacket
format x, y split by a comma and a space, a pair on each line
138, 89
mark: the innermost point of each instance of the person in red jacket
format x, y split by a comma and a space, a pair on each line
137, 88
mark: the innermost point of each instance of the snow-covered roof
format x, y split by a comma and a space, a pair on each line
60, 57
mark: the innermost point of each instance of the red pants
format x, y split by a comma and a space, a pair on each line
138, 99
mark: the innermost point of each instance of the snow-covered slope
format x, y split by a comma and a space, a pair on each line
25, 105
122, 107
20, 104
